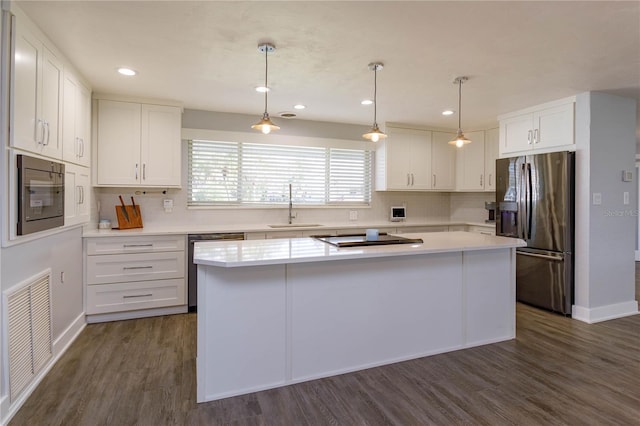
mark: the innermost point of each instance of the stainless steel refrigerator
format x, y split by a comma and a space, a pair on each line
535, 202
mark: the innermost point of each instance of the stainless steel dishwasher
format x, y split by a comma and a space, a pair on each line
193, 269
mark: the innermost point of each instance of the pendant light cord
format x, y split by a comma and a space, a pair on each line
266, 71
459, 103
375, 96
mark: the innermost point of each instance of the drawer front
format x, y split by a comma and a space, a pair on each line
108, 298
482, 230
151, 244
411, 229
134, 267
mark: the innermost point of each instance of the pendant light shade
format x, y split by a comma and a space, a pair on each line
460, 139
375, 134
265, 125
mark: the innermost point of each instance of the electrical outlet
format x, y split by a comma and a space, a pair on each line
353, 215
167, 203
597, 198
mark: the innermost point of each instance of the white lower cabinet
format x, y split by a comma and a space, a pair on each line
138, 273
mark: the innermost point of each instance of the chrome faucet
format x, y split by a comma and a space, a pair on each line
290, 205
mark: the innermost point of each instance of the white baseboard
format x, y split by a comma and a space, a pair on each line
62, 343
60, 346
604, 313
119, 316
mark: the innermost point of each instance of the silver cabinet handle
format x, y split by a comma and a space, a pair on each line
80, 194
136, 171
137, 245
411, 179
127, 268
480, 180
434, 180
408, 179
144, 171
536, 135
40, 140
529, 135
46, 124
489, 182
138, 295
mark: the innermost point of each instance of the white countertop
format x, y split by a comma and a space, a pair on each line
299, 250
205, 229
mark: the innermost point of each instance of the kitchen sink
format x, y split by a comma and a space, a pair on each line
296, 225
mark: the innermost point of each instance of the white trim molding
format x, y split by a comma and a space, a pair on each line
605, 313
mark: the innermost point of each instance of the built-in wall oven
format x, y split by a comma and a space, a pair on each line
193, 268
40, 194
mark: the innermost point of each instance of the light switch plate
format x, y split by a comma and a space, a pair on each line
353, 215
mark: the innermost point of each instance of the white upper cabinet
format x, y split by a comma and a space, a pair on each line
415, 160
443, 162
137, 144
76, 121
470, 164
491, 141
37, 95
403, 160
544, 128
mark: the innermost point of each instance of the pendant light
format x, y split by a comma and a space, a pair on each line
460, 139
375, 134
265, 125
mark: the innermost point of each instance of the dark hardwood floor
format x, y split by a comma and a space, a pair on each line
557, 371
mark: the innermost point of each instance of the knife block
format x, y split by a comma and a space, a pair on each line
135, 218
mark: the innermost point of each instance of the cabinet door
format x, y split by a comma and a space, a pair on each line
118, 143
443, 161
160, 145
83, 125
51, 104
490, 157
554, 127
398, 147
70, 143
83, 184
76, 195
420, 161
27, 130
470, 164
70, 194
516, 134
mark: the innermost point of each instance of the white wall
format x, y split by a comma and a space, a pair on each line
469, 207
605, 247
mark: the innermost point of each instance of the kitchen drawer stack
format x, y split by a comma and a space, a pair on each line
128, 275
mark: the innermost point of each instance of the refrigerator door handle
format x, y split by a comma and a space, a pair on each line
528, 203
522, 206
541, 256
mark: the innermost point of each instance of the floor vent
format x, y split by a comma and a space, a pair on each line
28, 308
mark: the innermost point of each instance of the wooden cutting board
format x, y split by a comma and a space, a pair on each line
135, 218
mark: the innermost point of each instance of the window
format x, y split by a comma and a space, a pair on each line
224, 173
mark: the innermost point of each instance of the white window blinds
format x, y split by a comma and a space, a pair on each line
222, 173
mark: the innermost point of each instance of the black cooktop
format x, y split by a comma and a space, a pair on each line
360, 240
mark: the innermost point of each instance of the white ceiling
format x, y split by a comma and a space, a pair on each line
204, 54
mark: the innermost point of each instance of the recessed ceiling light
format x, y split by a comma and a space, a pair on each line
367, 102
447, 112
299, 106
287, 114
127, 71
262, 89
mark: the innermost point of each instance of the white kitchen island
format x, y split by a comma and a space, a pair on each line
276, 312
